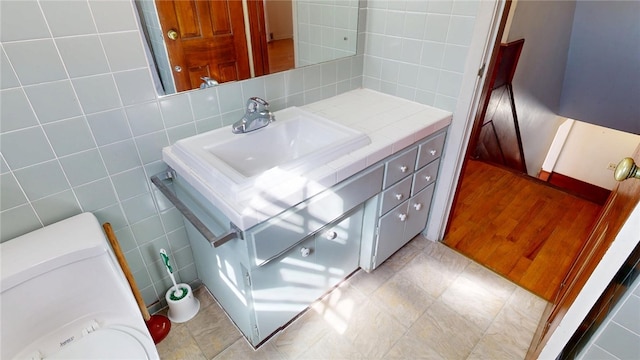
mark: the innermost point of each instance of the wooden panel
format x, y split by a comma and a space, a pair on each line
187, 18
623, 199
580, 188
220, 18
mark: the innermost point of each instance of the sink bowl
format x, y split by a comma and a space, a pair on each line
235, 164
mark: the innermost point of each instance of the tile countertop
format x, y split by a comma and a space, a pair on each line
391, 123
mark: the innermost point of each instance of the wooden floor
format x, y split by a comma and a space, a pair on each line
280, 55
519, 227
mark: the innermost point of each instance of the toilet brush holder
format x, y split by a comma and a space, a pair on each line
183, 306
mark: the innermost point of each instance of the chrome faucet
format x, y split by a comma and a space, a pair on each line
256, 116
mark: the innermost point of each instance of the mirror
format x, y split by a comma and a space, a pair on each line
200, 43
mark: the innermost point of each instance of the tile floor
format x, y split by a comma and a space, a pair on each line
425, 302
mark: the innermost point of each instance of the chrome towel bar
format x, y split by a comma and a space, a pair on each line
215, 241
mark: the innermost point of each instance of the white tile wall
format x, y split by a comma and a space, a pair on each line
329, 36
81, 126
417, 49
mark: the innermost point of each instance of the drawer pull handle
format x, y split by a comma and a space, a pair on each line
402, 217
428, 177
399, 196
417, 206
330, 235
432, 152
305, 252
403, 168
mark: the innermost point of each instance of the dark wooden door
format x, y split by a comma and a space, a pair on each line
623, 199
210, 40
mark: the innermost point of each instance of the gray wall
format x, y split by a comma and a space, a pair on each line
537, 84
602, 80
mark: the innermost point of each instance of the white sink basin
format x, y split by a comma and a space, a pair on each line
298, 141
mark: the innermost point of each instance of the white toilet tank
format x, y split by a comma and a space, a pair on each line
63, 295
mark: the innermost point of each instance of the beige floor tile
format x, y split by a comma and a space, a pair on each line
367, 283
511, 331
527, 304
179, 344
410, 346
303, 333
478, 295
489, 349
434, 274
332, 346
446, 332
373, 331
212, 330
204, 296
242, 350
338, 307
403, 300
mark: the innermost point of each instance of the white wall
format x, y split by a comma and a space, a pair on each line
537, 84
588, 150
602, 80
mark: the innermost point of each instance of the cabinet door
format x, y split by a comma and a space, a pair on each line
285, 286
418, 212
338, 248
391, 233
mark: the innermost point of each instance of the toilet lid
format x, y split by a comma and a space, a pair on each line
104, 344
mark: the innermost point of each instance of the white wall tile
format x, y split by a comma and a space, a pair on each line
15, 111
69, 136
97, 93
37, 186
25, 147
90, 61
124, 50
113, 15
59, 14
8, 78
84, 167
35, 61
460, 30
135, 86
53, 101
22, 20
109, 126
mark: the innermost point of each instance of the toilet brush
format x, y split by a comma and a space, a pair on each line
177, 293
158, 325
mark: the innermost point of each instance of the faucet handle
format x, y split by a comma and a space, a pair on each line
255, 103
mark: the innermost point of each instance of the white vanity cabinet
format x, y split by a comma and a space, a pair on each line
402, 209
277, 268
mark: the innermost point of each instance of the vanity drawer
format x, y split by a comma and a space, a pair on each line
430, 150
276, 235
395, 195
425, 176
400, 167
